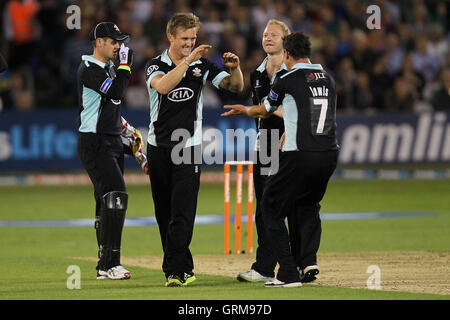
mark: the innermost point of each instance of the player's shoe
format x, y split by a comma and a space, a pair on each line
118, 273
275, 283
175, 281
252, 276
309, 273
189, 277
101, 275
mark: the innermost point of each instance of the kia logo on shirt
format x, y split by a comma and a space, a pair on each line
180, 94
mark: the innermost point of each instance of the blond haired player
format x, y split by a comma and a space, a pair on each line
261, 78
175, 81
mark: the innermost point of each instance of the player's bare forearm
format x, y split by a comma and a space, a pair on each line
258, 111
165, 83
279, 112
234, 82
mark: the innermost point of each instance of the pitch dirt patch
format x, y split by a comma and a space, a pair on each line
419, 272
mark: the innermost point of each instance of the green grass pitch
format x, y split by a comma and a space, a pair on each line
34, 260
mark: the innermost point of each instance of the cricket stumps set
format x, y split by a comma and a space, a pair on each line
238, 215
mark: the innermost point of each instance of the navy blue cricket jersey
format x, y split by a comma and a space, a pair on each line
182, 107
307, 94
100, 90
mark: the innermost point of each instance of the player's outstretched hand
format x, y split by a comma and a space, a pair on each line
235, 110
198, 52
230, 60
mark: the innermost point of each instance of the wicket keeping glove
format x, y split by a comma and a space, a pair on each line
134, 137
142, 160
125, 57
131, 133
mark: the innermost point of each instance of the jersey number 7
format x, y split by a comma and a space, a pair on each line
320, 117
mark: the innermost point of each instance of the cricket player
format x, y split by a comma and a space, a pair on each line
261, 80
101, 86
175, 81
310, 152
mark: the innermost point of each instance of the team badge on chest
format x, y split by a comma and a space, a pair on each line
197, 72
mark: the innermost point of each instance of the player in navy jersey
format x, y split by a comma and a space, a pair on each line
261, 79
101, 86
310, 151
175, 81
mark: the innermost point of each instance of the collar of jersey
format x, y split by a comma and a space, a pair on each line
262, 68
166, 59
302, 65
93, 60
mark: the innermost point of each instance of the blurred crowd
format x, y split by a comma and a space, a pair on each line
402, 67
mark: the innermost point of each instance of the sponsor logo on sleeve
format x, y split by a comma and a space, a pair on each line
273, 95
151, 69
105, 85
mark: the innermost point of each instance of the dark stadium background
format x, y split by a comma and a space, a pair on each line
393, 83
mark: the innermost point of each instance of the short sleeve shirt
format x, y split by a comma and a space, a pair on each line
308, 95
182, 107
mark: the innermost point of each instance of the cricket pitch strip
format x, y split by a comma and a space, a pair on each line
414, 271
